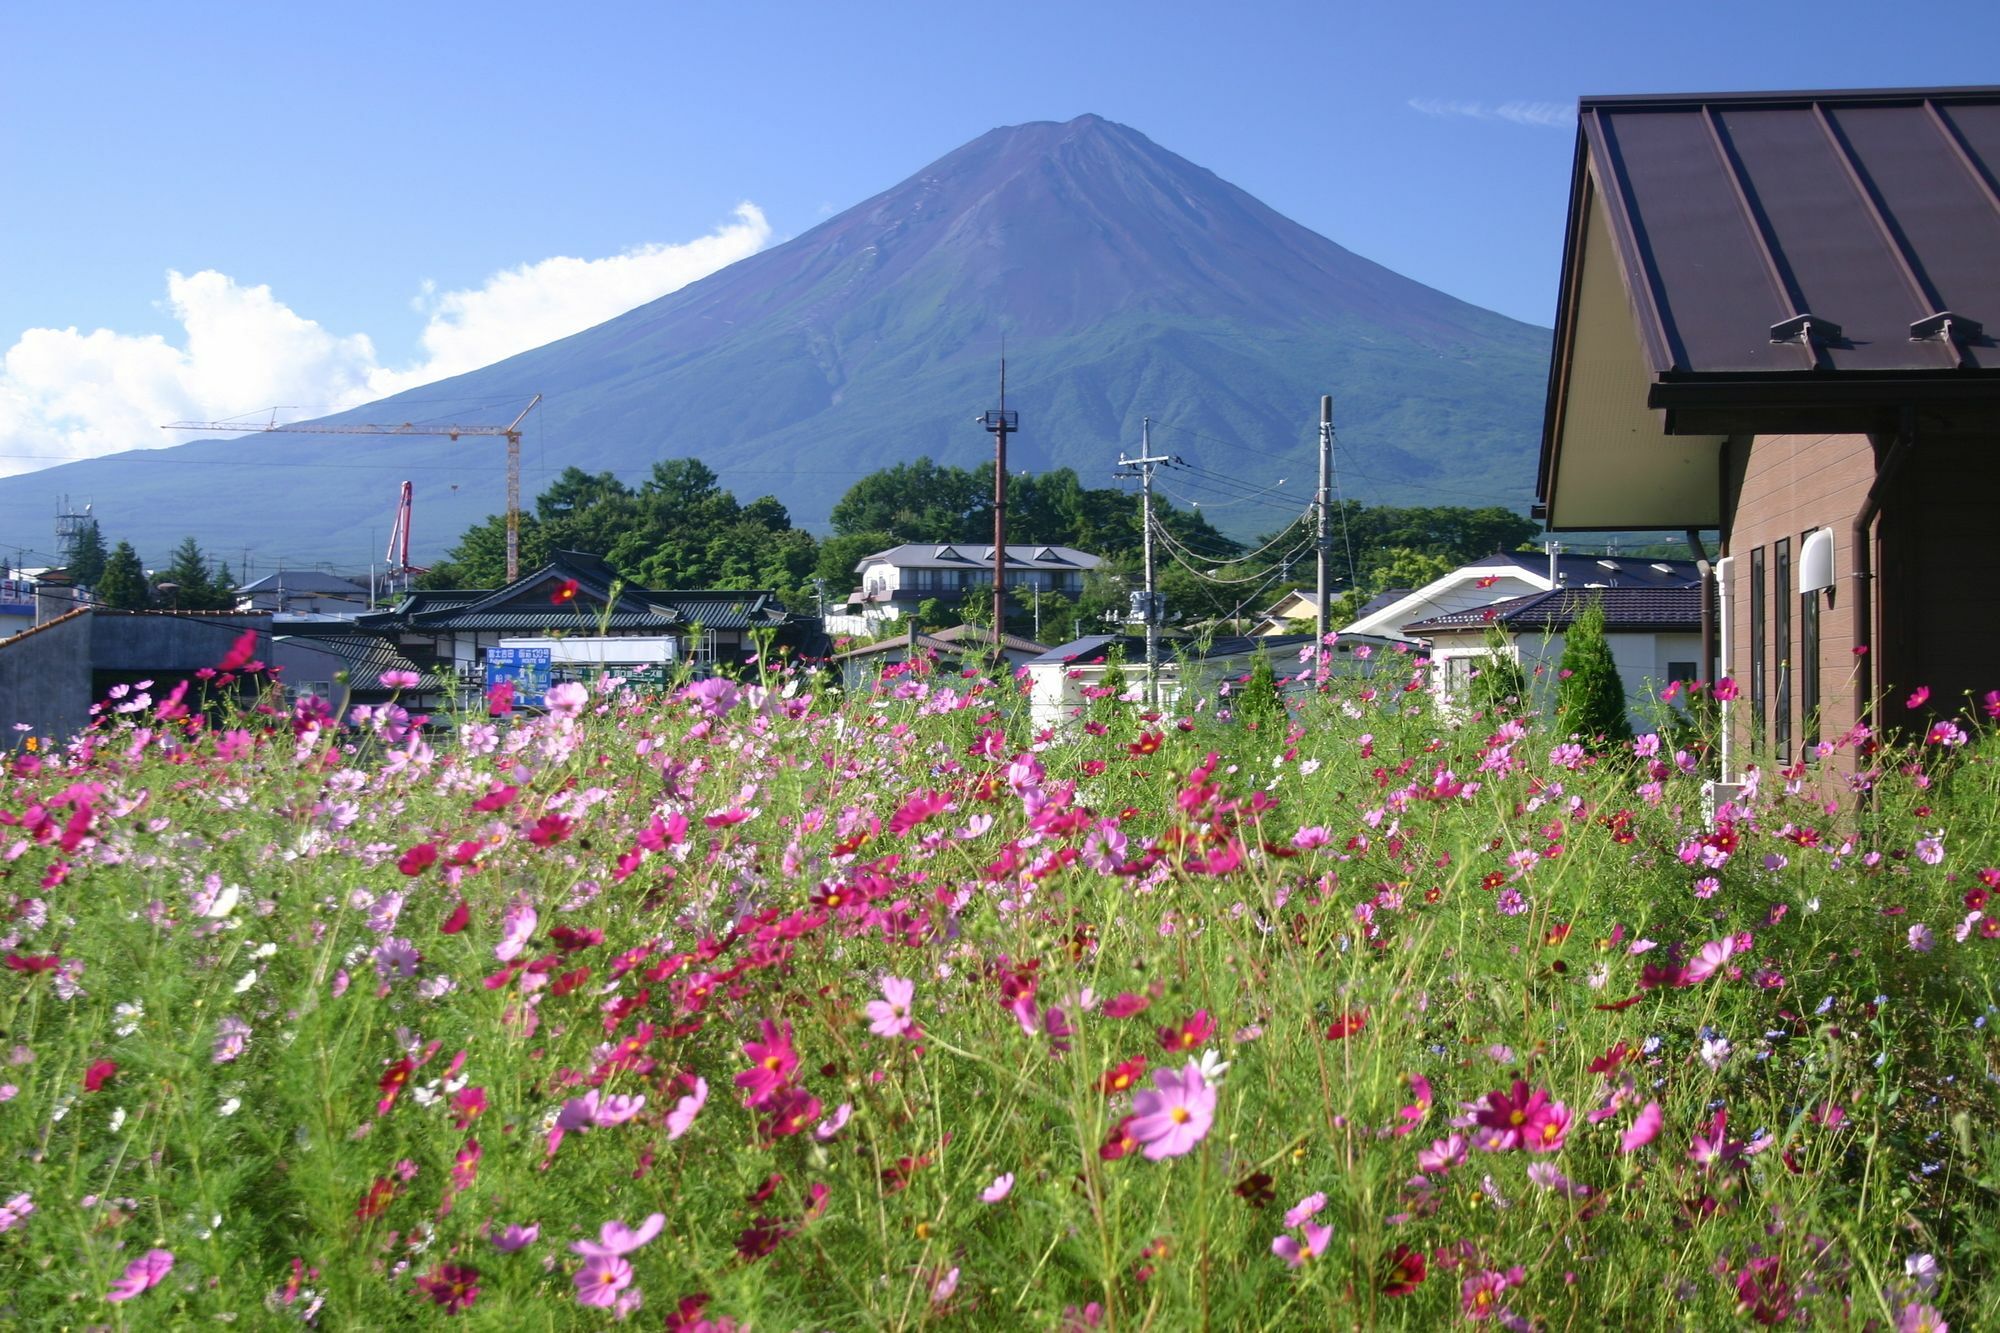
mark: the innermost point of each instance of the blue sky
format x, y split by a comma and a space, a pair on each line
374, 166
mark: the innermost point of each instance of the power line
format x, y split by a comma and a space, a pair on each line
1280, 536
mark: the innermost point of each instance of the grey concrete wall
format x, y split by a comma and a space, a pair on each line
45, 682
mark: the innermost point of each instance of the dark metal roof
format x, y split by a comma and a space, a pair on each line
1862, 213
1625, 608
1804, 261
1583, 570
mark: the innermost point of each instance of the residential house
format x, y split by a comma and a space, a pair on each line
1506, 575
1654, 634
1772, 323
304, 592
891, 583
1060, 681
949, 648
579, 595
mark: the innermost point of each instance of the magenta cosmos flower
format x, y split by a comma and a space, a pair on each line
890, 1015
141, 1274
1515, 1118
1175, 1115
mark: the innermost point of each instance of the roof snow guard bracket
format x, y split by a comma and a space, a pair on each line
1952, 329
1810, 332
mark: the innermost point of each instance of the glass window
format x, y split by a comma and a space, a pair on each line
1757, 632
1781, 645
1809, 700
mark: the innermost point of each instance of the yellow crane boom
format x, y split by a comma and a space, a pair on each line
512, 432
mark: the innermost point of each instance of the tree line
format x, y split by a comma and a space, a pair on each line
678, 527
190, 581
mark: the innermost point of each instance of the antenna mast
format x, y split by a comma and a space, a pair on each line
1002, 424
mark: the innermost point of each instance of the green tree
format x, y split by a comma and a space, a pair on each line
1401, 567
1257, 700
84, 554
1590, 698
1498, 685
194, 587
123, 584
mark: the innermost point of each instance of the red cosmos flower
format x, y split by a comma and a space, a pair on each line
563, 593
688, 1314
460, 916
1487, 582
390, 1085
1148, 743
32, 962
98, 1075
1407, 1271
1347, 1025
500, 699
240, 652
418, 859
453, 1286
1919, 697
498, 797
376, 1199
1119, 1142
1125, 1005
1194, 1032
550, 830
1123, 1076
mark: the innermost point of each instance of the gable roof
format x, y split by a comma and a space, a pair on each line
526, 605
962, 555
304, 581
1763, 262
1630, 610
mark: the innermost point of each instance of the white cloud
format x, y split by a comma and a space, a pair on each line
66, 395
1541, 115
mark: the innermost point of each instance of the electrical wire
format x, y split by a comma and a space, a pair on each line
1160, 531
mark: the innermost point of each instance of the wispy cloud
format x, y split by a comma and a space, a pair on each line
67, 395
1540, 115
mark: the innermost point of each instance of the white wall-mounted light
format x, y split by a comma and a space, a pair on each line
1816, 561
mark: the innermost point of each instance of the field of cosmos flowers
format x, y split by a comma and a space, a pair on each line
757, 1005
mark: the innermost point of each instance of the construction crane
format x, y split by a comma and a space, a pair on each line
398, 554
512, 431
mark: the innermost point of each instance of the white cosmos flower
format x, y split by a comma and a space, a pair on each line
1212, 1067
117, 1119
249, 980
225, 902
230, 1107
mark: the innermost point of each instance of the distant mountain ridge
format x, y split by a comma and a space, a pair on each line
1125, 280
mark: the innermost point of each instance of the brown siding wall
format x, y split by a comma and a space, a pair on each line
1940, 576
1787, 486
1936, 561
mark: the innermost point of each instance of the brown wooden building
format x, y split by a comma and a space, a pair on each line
1772, 324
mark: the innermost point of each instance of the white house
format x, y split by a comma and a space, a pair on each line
1654, 635
891, 583
1504, 576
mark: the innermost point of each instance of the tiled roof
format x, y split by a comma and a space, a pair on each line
979, 555
1628, 609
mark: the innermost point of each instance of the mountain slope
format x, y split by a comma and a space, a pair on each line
1125, 280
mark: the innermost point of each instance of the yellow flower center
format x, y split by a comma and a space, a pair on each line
1180, 1115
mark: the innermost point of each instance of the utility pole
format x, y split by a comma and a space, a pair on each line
1325, 504
1001, 424
1142, 467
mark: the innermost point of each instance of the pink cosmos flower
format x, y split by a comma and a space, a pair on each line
1551, 1129
1419, 1108
142, 1274
1479, 1295
516, 927
15, 1211
517, 1237
834, 1123
681, 1118
1175, 1115
616, 1110
1708, 961
890, 1015
1002, 1186
773, 1061
566, 699
1294, 1253
946, 1285
1645, 1128
600, 1280
1442, 1155
1305, 1209
614, 1238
